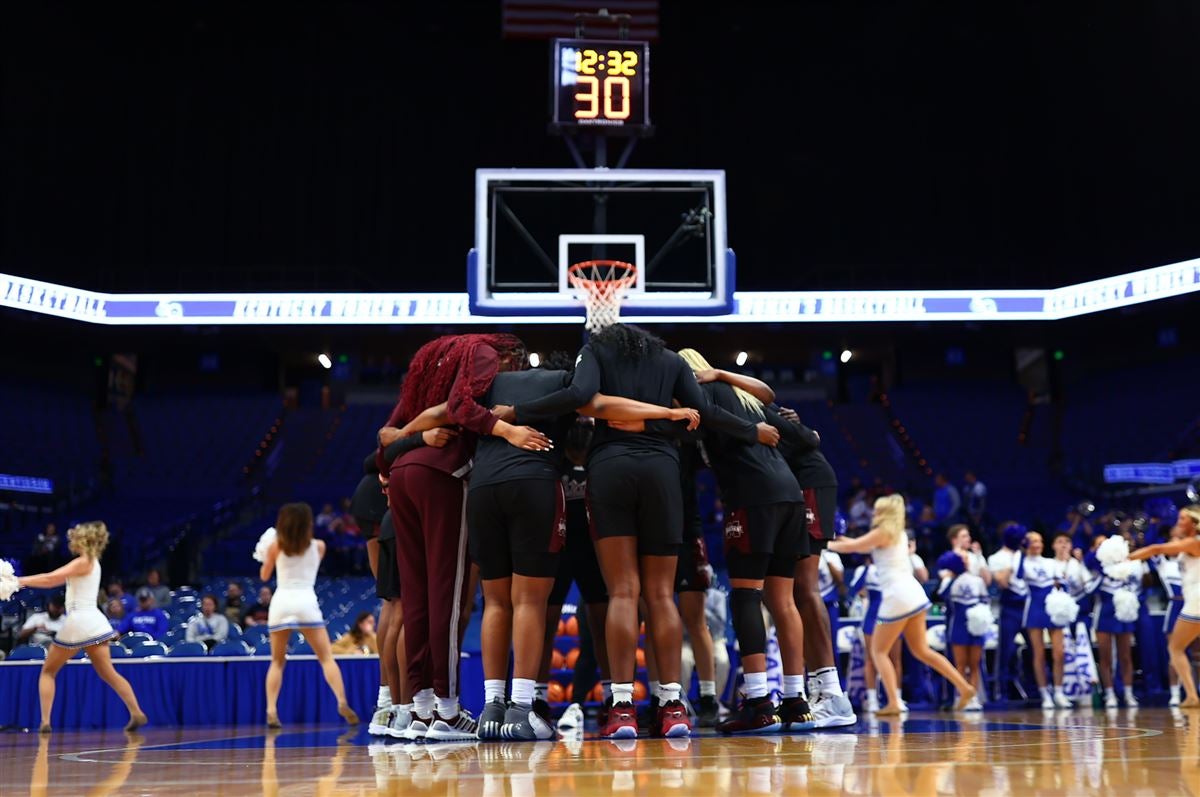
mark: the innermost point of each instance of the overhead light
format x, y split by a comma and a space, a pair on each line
846, 355
535, 359
324, 360
741, 358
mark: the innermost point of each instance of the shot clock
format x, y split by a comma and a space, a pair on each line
601, 85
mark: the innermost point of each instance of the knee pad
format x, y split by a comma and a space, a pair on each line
746, 607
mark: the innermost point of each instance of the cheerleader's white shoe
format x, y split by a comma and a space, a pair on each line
1061, 700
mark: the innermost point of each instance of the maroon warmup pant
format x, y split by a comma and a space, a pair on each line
431, 552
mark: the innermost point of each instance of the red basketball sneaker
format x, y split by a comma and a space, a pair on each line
673, 720
622, 722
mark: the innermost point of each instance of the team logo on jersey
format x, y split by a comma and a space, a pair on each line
733, 529
810, 517
562, 526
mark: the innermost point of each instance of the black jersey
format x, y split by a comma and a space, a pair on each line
496, 460
654, 379
748, 474
801, 447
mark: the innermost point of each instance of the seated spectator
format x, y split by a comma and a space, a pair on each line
147, 618
946, 501
162, 593
360, 639
859, 514
257, 614
40, 628
115, 612
975, 493
325, 519
44, 556
116, 591
209, 627
234, 602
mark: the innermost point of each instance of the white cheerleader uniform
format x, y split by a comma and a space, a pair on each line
294, 604
1189, 567
903, 595
85, 625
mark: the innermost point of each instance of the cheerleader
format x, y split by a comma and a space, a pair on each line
86, 627
830, 577
297, 556
960, 541
1116, 620
1013, 594
966, 595
902, 611
867, 576
1039, 574
1185, 541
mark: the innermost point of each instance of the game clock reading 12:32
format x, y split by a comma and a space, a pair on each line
601, 84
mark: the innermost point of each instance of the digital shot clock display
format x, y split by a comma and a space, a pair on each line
600, 84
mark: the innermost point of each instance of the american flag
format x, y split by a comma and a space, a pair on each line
551, 19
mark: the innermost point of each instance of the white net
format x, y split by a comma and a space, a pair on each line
602, 284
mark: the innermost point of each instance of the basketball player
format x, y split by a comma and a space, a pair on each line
86, 627
764, 534
636, 507
515, 516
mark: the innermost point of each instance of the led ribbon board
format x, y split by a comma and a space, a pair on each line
176, 309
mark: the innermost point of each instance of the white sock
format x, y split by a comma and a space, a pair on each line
409, 707
814, 689
1129, 691
1175, 690
493, 689
606, 686
668, 692
423, 701
827, 682
793, 685
756, 685
1110, 692
1045, 690
708, 689
522, 691
541, 691
385, 697
622, 693
1058, 692
654, 687
447, 707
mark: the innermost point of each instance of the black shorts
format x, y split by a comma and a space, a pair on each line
517, 527
691, 572
638, 496
821, 508
765, 540
578, 562
387, 576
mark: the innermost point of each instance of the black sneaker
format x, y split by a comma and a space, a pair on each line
542, 709
706, 712
753, 716
648, 717
796, 715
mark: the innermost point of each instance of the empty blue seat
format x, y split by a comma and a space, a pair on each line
136, 639
188, 649
301, 648
263, 648
235, 631
173, 637
27, 653
148, 650
118, 651
232, 647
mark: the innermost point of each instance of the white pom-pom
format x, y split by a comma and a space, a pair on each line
1061, 608
1122, 571
8, 581
1113, 550
1125, 605
6, 568
264, 542
979, 619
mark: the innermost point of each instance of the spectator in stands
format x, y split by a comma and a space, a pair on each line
360, 639
325, 521
161, 592
115, 612
1081, 530
257, 614
946, 502
234, 602
116, 591
147, 618
929, 540
44, 556
209, 627
859, 513
975, 494
40, 628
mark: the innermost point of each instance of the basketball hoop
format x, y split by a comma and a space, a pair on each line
604, 284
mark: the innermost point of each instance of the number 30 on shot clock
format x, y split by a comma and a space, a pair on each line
601, 84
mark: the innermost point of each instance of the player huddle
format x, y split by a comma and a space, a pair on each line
484, 463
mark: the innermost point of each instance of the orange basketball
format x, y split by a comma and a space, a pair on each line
555, 693
597, 693
572, 657
562, 628
569, 694
639, 690
641, 657
572, 626
557, 662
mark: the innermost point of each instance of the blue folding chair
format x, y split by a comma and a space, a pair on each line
27, 653
136, 639
263, 648
187, 650
118, 651
232, 647
148, 650
235, 631
301, 648
253, 634
173, 637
